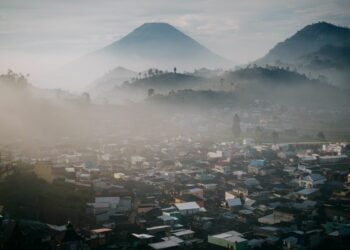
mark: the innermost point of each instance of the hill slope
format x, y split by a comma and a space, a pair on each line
113, 78
310, 39
321, 49
167, 82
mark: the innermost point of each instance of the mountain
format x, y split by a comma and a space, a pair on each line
152, 45
321, 50
112, 79
163, 46
161, 82
308, 40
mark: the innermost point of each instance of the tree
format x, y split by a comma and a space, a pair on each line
150, 92
236, 127
258, 134
321, 136
274, 136
86, 97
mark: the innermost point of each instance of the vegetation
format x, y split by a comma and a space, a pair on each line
27, 197
236, 127
13, 80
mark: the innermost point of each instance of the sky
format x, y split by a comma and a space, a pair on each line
41, 35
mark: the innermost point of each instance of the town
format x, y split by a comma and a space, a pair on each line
181, 193
154, 124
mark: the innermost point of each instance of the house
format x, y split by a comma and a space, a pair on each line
167, 244
333, 159
142, 240
196, 192
185, 234
239, 174
168, 219
105, 207
213, 186
229, 240
279, 215
267, 231
223, 169
256, 166
251, 182
188, 208
312, 180
189, 198
162, 230
214, 155
308, 193
234, 203
100, 236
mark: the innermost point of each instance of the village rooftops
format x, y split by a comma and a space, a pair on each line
164, 244
187, 206
174, 239
143, 236
165, 217
233, 235
101, 230
307, 191
183, 233
234, 202
156, 228
314, 177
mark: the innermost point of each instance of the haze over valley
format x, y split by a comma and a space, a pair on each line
174, 125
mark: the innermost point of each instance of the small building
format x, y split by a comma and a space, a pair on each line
229, 240
168, 244
188, 208
279, 215
256, 166
312, 180
234, 203
184, 234
308, 193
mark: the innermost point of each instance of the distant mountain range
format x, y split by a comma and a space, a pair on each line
152, 45
321, 49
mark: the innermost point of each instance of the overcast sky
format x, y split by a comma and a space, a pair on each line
43, 34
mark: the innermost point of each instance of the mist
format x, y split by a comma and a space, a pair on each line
174, 125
